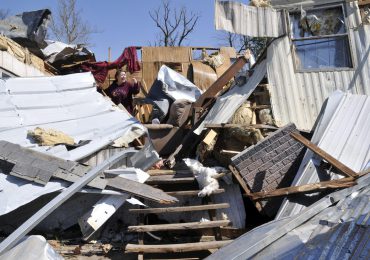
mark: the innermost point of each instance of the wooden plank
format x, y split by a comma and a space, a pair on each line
312, 187
155, 172
230, 152
175, 248
244, 186
41, 214
238, 177
256, 126
210, 136
141, 190
179, 226
203, 75
181, 209
140, 256
169, 179
212, 215
218, 85
191, 192
324, 155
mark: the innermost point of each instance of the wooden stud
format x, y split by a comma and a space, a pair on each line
191, 192
324, 155
168, 179
179, 226
255, 126
181, 209
218, 85
174, 248
312, 187
244, 186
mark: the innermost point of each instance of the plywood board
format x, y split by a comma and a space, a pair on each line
228, 51
167, 54
141, 190
203, 75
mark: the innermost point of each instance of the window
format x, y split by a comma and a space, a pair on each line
320, 39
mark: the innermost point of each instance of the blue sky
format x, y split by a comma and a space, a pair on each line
126, 22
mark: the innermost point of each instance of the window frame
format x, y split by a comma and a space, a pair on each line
341, 35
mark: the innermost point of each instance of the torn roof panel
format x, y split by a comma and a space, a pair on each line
320, 230
28, 28
248, 20
343, 132
227, 104
69, 104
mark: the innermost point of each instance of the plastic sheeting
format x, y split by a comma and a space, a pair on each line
171, 86
177, 86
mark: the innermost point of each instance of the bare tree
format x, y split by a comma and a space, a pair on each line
4, 13
241, 42
67, 25
175, 25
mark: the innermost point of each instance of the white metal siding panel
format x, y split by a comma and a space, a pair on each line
296, 96
344, 134
226, 105
69, 104
247, 20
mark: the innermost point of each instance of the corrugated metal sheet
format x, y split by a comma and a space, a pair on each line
299, 3
298, 96
69, 104
322, 231
227, 104
12, 64
247, 20
340, 232
344, 132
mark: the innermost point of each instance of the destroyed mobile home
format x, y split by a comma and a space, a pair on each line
224, 158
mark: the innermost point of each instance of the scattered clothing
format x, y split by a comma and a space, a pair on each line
100, 69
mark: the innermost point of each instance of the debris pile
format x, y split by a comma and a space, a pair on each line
223, 156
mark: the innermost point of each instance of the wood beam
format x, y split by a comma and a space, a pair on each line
312, 187
324, 155
244, 186
141, 190
218, 85
191, 192
175, 248
181, 209
257, 126
179, 226
168, 179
